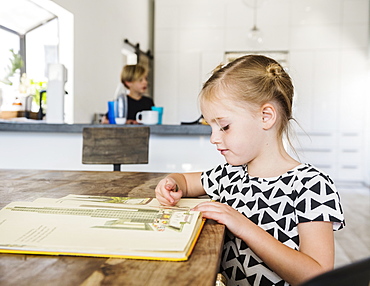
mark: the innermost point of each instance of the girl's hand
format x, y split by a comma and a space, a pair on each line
167, 192
223, 214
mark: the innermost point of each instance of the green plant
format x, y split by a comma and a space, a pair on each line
35, 88
16, 63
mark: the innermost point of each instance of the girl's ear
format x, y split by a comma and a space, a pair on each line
269, 115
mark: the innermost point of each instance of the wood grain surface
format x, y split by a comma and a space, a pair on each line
115, 145
27, 185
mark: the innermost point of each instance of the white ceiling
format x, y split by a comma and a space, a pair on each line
22, 16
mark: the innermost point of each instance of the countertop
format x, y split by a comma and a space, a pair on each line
78, 128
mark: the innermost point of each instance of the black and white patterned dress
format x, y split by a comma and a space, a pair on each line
275, 204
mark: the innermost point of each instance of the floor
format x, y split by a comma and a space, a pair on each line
352, 243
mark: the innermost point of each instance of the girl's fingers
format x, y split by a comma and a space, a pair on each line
176, 196
207, 206
162, 194
166, 192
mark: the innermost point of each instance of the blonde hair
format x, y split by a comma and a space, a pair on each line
132, 73
256, 80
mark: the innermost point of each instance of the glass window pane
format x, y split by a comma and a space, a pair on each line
7, 41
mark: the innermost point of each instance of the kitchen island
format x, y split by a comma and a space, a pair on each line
172, 148
198, 129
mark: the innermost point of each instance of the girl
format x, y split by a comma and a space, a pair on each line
279, 213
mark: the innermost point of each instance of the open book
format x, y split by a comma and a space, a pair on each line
101, 226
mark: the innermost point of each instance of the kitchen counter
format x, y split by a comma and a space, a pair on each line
172, 148
77, 128
44, 146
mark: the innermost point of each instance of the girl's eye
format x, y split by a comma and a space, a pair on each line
225, 128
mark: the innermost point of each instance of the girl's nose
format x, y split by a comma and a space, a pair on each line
215, 138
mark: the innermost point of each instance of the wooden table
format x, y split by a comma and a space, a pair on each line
27, 185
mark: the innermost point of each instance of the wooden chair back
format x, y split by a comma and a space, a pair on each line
115, 145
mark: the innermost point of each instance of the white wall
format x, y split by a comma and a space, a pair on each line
100, 27
328, 45
328, 58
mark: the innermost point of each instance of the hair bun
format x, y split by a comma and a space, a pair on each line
274, 70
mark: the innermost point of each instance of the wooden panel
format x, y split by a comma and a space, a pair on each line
117, 145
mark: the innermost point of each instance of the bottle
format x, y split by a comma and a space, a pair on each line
121, 105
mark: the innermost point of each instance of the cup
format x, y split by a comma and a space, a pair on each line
120, 120
147, 117
160, 113
111, 112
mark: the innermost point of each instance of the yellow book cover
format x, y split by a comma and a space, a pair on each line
101, 226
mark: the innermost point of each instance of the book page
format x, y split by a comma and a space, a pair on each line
134, 231
82, 200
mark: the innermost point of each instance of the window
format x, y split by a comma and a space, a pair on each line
31, 28
8, 41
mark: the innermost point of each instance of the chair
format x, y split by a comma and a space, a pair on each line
354, 274
115, 145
